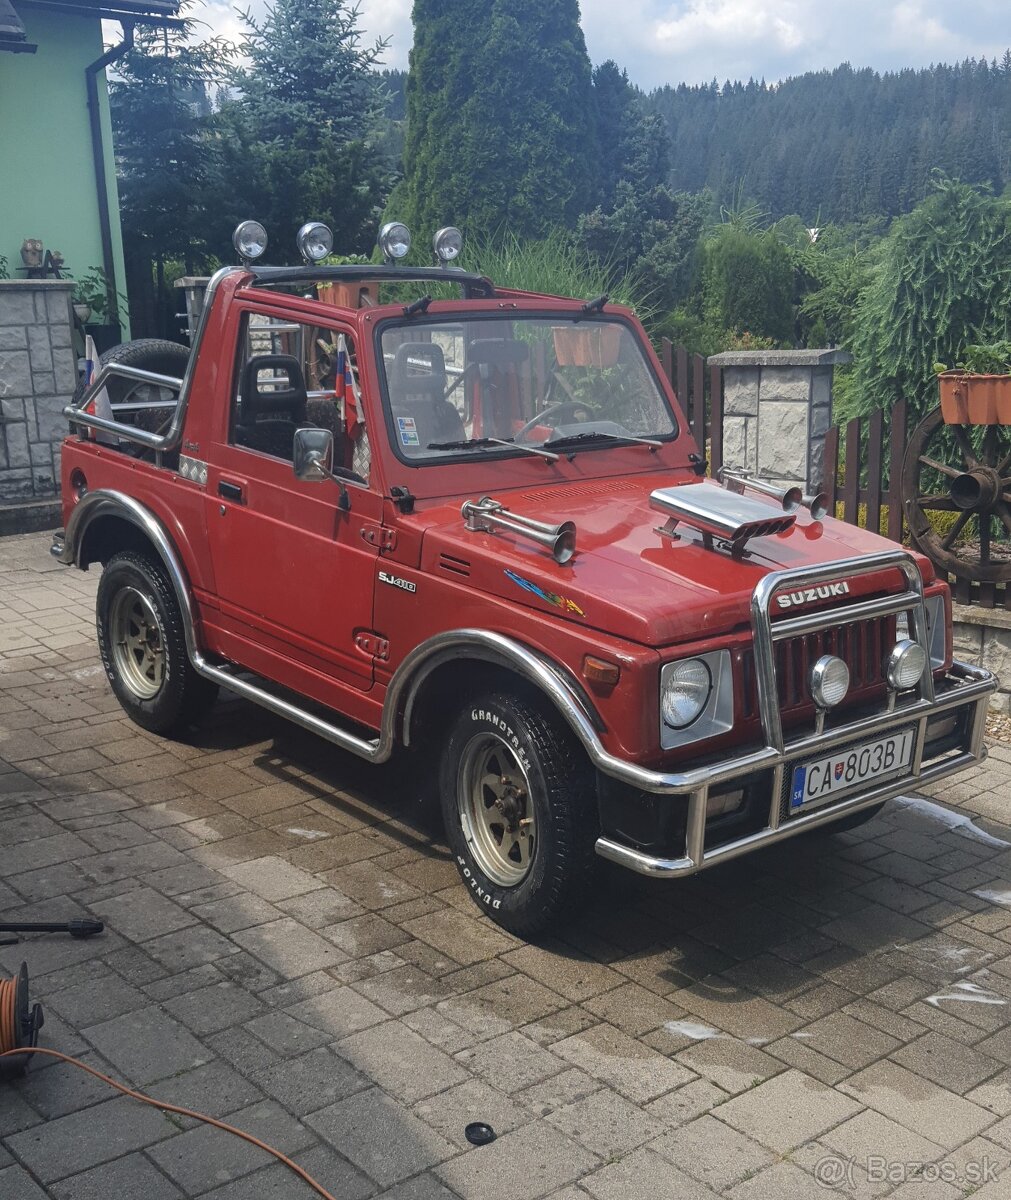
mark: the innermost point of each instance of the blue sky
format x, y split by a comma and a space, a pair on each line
667, 41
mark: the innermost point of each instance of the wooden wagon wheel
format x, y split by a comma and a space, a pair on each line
964, 470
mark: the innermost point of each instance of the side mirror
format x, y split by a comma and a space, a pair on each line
312, 459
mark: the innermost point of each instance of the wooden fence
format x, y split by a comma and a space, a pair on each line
696, 388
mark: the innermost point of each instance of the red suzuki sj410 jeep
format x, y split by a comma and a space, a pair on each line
475, 528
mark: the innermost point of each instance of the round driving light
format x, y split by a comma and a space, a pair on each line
904, 668
830, 681
447, 244
249, 240
314, 241
685, 691
394, 239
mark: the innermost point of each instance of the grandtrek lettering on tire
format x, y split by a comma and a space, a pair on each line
825, 592
405, 585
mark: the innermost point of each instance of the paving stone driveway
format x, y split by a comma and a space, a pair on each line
287, 945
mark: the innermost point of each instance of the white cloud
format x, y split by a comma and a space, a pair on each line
911, 26
670, 41
711, 23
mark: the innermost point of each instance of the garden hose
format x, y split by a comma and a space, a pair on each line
19, 1031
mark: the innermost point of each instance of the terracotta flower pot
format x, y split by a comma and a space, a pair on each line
975, 399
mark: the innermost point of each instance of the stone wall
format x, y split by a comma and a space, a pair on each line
777, 408
38, 375
982, 638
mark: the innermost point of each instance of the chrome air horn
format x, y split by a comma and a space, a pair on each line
487, 515
791, 498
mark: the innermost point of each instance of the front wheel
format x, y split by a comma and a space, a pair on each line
520, 811
143, 646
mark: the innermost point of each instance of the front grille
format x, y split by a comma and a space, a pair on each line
863, 646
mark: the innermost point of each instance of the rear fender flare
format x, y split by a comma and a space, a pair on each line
108, 503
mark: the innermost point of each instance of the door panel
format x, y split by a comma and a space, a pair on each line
289, 564
294, 574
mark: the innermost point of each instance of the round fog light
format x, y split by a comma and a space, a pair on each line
685, 692
830, 681
904, 668
447, 244
249, 240
394, 240
314, 241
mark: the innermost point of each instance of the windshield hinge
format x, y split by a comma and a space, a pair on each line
402, 498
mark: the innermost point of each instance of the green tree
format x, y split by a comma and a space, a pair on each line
499, 127
652, 235
302, 132
944, 281
166, 159
748, 283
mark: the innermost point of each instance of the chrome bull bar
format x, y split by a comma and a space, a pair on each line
964, 686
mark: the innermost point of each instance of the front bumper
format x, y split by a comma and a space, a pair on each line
691, 841
964, 692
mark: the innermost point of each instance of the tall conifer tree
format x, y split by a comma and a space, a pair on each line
499, 117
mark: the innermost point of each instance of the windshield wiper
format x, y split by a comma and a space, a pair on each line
573, 439
467, 443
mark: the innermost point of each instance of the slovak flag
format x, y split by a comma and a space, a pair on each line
99, 404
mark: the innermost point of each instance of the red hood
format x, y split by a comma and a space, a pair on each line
626, 579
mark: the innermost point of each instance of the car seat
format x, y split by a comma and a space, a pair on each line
267, 419
418, 394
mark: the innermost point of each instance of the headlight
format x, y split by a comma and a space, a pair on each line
685, 692
830, 681
249, 240
447, 244
394, 240
904, 668
314, 241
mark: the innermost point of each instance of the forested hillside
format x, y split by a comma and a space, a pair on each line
841, 145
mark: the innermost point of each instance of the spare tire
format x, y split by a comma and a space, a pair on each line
150, 354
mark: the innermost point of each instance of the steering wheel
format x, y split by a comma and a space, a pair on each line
553, 410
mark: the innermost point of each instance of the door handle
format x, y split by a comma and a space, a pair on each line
230, 491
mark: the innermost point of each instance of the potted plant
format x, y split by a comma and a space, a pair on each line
92, 292
978, 390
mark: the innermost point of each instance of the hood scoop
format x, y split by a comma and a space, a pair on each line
720, 516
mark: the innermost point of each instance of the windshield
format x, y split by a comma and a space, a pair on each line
464, 387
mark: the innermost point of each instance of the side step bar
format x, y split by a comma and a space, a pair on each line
369, 749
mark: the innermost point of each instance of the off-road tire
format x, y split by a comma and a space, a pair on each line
562, 794
150, 354
182, 698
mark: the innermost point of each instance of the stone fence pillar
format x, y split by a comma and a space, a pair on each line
777, 408
38, 375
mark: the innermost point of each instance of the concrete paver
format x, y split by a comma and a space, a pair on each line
287, 946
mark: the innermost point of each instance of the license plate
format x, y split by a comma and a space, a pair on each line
847, 768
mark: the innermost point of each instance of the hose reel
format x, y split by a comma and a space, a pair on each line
19, 1024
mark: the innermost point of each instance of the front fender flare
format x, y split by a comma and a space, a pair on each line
484, 645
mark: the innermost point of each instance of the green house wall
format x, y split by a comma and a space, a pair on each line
47, 172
